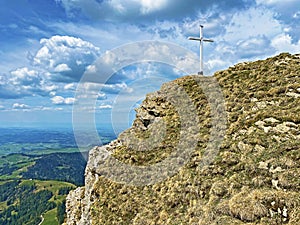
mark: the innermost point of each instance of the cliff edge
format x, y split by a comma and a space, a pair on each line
250, 143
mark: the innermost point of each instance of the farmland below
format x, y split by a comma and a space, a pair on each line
38, 168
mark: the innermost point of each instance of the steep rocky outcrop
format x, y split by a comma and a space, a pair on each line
241, 163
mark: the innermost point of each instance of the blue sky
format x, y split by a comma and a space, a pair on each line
47, 45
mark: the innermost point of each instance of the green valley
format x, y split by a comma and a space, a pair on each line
33, 188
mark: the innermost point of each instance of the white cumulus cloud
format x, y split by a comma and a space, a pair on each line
59, 100
65, 57
20, 106
284, 43
105, 107
70, 86
25, 82
26, 78
62, 68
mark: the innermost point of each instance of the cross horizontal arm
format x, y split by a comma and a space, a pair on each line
200, 39
208, 40
195, 38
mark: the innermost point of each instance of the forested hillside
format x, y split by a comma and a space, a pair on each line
33, 188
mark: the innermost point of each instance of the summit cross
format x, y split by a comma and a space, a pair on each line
201, 40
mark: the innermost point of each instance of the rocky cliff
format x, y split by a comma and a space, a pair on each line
221, 150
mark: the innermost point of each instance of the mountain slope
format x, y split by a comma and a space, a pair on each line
251, 175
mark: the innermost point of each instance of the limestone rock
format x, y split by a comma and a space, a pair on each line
251, 176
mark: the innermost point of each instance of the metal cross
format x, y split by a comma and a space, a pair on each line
201, 40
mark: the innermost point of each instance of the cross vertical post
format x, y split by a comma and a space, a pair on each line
201, 50
201, 40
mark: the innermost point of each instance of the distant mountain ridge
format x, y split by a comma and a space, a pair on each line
254, 179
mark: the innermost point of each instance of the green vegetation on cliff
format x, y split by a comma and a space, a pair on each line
254, 178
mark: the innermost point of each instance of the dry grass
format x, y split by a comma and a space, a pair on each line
234, 189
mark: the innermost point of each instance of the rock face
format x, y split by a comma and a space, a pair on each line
253, 177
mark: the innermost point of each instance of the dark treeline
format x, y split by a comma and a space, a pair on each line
67, 167
61, 212
24, 204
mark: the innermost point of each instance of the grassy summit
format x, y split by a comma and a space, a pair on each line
254, 178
